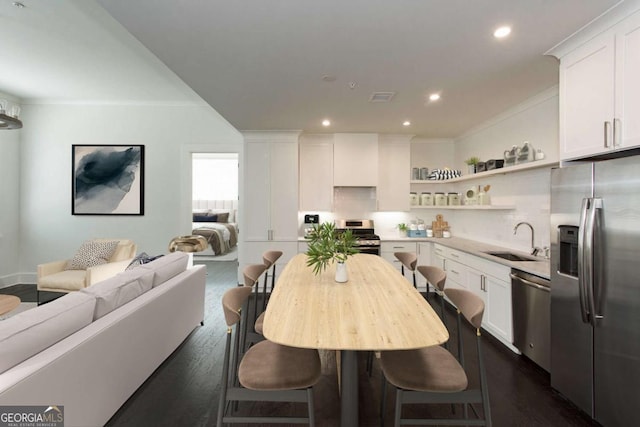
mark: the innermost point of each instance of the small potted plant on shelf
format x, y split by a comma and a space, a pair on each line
327, 245
402, 229
471, 164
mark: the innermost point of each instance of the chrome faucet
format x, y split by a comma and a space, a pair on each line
534, 250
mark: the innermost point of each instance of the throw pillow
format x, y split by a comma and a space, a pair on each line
92, 253
143, 258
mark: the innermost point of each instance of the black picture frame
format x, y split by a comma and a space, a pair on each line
107, 179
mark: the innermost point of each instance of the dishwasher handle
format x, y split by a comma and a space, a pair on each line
530, 283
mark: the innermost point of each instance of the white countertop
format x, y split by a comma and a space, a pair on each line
539, 268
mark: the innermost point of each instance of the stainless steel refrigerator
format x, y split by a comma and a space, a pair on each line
595, 288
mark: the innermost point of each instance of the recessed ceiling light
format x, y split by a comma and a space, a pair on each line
326, 123
406, 123
434, 97
502, 32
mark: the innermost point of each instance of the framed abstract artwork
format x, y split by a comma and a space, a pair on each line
107, 180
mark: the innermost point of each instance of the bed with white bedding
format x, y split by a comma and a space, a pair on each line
215, 220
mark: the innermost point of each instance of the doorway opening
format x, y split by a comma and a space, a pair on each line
214, 204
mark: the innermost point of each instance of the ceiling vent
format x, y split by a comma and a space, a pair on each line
381, 96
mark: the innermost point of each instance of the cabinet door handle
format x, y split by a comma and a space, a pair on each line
617, 132
454, 272
454, 256
483, 282
607, 133
444, 264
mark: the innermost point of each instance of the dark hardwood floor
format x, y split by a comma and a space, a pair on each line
184, 390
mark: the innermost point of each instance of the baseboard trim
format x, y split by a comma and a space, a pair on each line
17, 279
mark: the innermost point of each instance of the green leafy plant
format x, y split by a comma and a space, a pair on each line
403, 227
326, 245
472, 160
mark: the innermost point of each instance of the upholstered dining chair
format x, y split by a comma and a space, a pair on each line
269, 259
251, 274
96, 260
409, 260
434, 375
435, 277
266, 372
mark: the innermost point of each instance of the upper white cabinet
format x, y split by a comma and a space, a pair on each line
394, 166
355, 160
316, 173
600, 93
271, 186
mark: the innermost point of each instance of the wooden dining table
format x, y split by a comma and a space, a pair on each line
377, 309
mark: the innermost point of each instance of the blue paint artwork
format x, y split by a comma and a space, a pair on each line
104, 177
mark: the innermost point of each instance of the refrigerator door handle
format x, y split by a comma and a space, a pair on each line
583, 273
598, 281
594, 205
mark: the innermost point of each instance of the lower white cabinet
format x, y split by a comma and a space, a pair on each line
488, 280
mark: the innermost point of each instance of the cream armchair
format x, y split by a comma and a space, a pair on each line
52, 276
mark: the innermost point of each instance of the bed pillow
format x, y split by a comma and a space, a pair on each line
92, 253
209, 217
223, 217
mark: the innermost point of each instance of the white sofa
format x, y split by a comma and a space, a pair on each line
90, 350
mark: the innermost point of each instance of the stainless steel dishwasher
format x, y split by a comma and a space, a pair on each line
531, 301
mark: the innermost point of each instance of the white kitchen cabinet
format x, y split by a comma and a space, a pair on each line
488, 280
355, 160
600, 93
316, 173
270, 197
271, 190
394, 168
491, 282
449, 260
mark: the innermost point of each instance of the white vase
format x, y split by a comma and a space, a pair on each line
341, 272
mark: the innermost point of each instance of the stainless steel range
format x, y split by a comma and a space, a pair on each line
367, 241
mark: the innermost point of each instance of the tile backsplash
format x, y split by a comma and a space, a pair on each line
528, 191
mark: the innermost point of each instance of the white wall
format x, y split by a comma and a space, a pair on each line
47, 228
535, 120
10, 202
432, 153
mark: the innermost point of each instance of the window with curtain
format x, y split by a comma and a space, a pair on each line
215, 176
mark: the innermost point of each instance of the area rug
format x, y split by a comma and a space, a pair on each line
22, 307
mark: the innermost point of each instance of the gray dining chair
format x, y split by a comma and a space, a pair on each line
434, 375
266, 372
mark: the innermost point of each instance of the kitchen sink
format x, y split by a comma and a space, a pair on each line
510, 256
